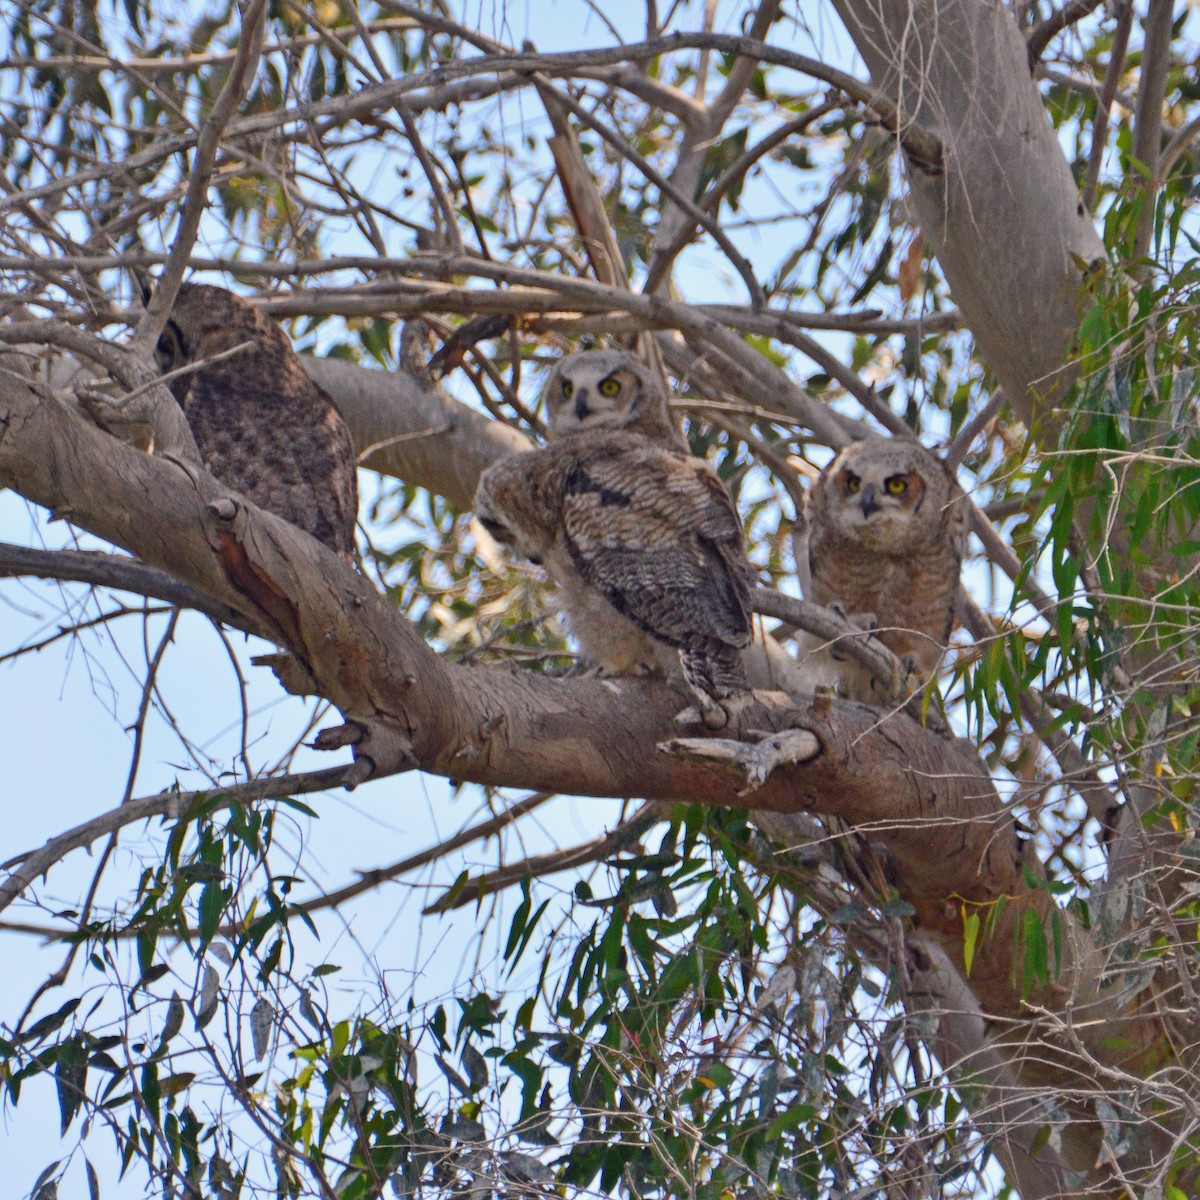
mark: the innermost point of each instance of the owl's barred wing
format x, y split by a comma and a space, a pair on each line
658, 536
513, 503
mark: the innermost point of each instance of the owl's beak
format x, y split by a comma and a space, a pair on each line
868, 502
581, 404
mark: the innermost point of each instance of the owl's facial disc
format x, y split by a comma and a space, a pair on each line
589, 405
882, 500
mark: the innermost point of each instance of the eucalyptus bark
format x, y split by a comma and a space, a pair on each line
1002, 212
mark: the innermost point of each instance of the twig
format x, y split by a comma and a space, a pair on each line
203, 162
670, 191
548, 864
33, 863
744, 362
1041, 34
475, 833
819, 621
510, 71
709, 202
115, 571
1108, 92
971, 429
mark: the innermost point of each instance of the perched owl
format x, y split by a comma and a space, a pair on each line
262, 426
882, 539
642, 539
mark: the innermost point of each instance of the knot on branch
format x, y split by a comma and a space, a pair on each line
148, 418
224, 509
293, 675
381, 750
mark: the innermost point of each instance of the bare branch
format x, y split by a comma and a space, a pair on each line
1147, 127
241, 74
1041, 35
24, 868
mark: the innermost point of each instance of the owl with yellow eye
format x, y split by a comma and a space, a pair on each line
641, 538
882, 539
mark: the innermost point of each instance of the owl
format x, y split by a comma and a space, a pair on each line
641, 538
262, 426
883, 538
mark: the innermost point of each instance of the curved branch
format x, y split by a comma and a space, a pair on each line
26, 867
114, 571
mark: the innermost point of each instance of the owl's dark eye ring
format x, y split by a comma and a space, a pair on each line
897, 485
853, 483
568, 389
610, 387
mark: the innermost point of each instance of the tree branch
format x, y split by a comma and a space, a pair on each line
241, 75
114, 571
24, 868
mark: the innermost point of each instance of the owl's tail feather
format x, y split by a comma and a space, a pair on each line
716, 673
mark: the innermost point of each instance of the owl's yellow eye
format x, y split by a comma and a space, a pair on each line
897, 485
853, 483
568, 389
610, 387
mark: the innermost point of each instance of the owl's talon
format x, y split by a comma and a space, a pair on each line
688, 716
713, 714
706, 711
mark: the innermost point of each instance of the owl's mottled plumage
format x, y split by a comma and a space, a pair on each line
884, 535
642, 539
263, 427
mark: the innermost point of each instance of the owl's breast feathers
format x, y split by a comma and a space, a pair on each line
911, 595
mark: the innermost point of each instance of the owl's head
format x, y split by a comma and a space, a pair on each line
602, 390
206, 322
888, 494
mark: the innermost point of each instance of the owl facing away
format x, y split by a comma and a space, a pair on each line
883, 538
641, 538
263, 427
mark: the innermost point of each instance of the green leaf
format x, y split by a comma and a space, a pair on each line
970, 939
70, 1078
1034, 965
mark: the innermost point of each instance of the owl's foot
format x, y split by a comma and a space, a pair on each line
867, 623
755, 762
711, 712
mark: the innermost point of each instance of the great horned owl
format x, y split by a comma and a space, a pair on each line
642, 539
263, 427
883, 538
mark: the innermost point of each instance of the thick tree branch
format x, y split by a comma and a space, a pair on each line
1004, 216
